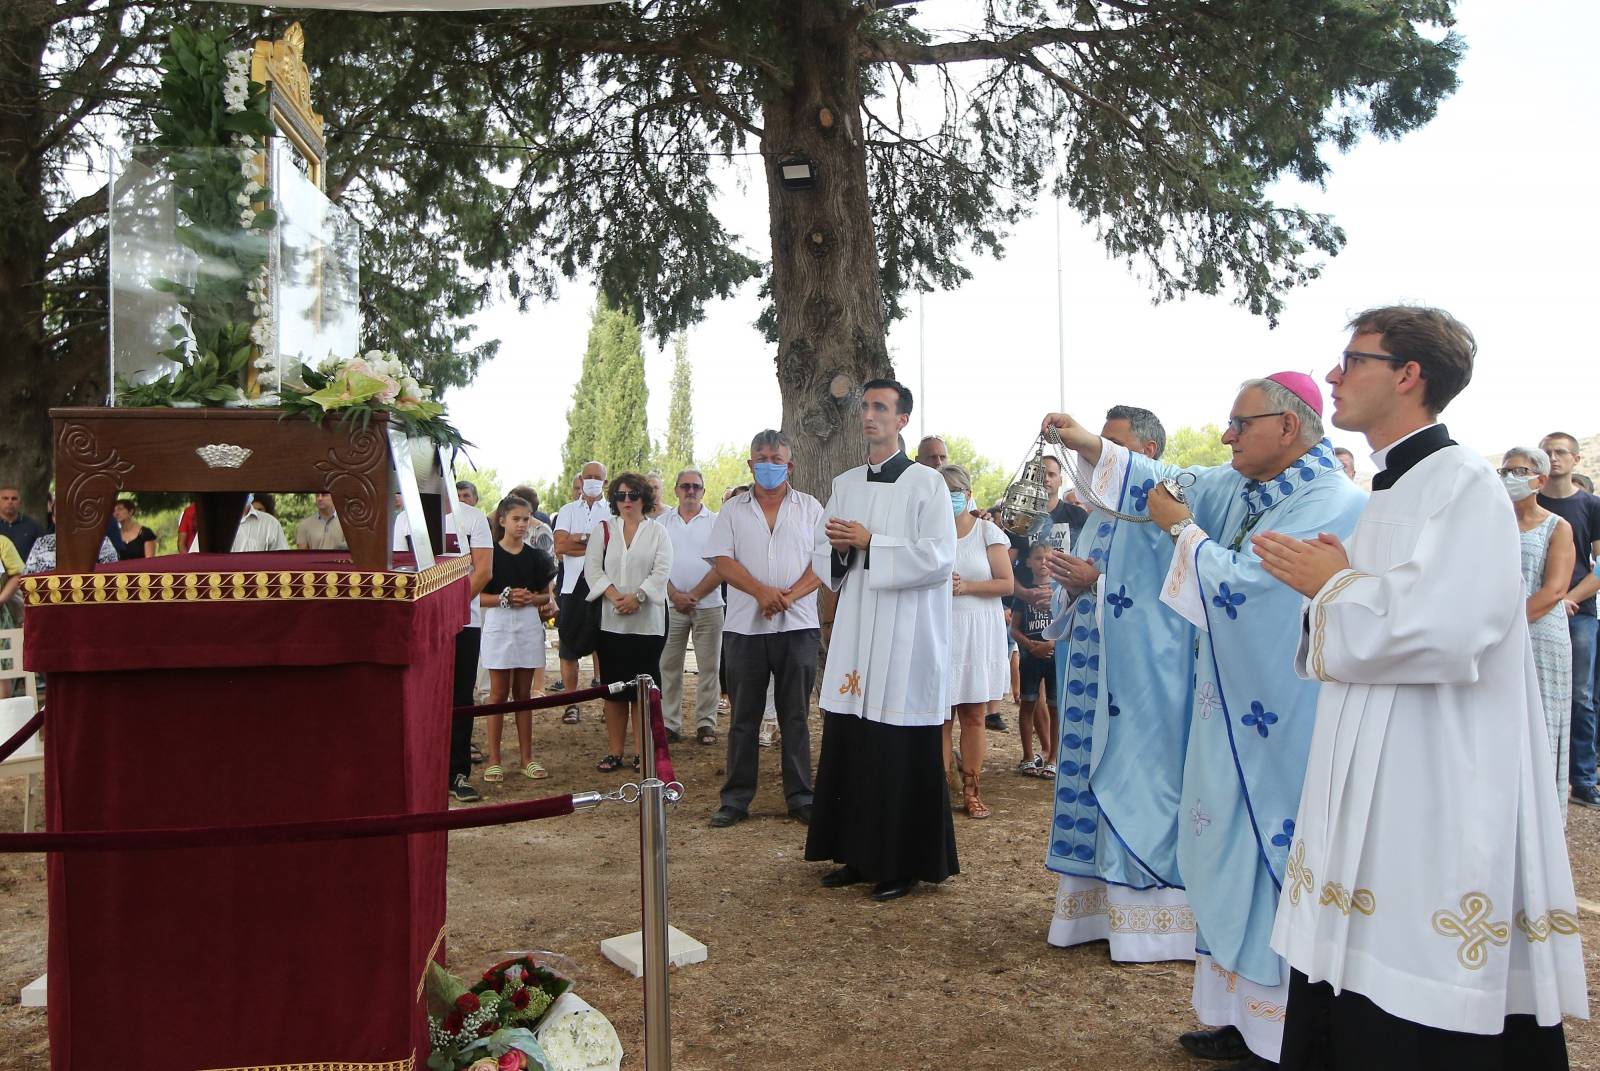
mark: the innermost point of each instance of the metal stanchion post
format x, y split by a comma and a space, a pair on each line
653, 882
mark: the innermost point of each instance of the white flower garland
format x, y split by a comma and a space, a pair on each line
236, 97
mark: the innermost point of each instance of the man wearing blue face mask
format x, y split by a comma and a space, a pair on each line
761, 546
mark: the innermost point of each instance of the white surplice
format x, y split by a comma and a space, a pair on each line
889, 654
1428, 870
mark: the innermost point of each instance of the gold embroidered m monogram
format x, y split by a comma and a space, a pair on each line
851, 685
1474, 929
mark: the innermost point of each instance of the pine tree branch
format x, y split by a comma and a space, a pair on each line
714, 100
68, 254
887, 50
78, 211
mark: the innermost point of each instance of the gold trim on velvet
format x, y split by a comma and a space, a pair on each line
434, 951
408, 1064
269, 585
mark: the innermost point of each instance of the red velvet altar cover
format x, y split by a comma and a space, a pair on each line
206, 690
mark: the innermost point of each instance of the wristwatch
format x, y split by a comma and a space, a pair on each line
1176, 529
639, 597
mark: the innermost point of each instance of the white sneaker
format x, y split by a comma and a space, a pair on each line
769, 734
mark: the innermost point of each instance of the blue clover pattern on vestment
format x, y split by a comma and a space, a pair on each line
1259, 718
1140, 493
1282, 840
1120, 600
1228, 601
1111, 706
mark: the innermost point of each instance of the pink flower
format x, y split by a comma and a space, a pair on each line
513, 1060
488, 1063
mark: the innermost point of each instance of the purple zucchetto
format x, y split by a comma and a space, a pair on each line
1301, 386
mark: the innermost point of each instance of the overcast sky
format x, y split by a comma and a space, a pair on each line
1488, 212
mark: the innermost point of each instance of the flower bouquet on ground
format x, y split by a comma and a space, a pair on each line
577, 1037
490, 1025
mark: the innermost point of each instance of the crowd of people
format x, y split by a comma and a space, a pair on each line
1318, 741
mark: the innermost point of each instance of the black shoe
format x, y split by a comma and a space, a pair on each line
994, 723
727, 816
801, 814
1251, 1063
1586, 795
674, 737
845, 875
461, 790
1225, 1043
893, 890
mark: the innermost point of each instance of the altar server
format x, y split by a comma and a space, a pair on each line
1104, 894
887, 544
1249, 715
1428, 910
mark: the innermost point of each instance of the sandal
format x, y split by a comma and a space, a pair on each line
970, 799
609, 764
533, 771
478, 757
707, 736
494, 774
570, 717
634, 762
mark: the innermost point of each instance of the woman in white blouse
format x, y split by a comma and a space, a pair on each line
627, 565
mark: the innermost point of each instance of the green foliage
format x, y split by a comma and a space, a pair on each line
607, 420
1197, 446
989, 478
727, 467
680, 412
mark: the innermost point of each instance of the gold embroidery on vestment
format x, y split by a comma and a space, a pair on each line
1474, 929
1265, 1009
1556, 921
1321, 621
1361, 900
1300, 875
1229, 977
851, 685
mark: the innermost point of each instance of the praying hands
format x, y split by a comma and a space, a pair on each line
1303, 564
848, 535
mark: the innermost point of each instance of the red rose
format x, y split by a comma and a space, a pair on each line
467, 1003
486, 1029
452, 1023
488, 975
519, 999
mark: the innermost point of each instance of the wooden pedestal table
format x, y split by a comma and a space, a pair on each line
220, 455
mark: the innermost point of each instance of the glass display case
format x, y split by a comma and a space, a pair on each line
179, 256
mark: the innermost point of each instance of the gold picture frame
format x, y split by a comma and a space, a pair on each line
281, 66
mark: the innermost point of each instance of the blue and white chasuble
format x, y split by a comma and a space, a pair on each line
1116, 707
1203, 791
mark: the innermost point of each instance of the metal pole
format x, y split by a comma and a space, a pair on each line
653, 899
1061, 329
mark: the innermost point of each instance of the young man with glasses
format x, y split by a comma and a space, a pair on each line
694, 606
1580, 509
1428, 912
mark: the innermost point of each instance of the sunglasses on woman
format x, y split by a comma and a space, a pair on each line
627, 496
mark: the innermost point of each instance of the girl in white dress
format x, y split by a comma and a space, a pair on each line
513, 635
980, 668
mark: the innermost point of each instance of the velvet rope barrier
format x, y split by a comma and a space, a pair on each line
538, 702
379, 825
22, 735
658, 732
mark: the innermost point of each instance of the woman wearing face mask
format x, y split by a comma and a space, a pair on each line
1547, 557
980, 666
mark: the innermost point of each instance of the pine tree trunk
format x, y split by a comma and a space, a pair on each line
25, 387
825, 281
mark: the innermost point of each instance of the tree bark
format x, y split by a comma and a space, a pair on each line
825, 275
25, 454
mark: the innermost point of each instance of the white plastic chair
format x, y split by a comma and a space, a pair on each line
28, 760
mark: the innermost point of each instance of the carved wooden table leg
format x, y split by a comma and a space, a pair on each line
88, 478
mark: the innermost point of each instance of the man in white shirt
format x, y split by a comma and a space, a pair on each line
761, 545
472, 537
573, 524
694, 605
1427, 908
258, 531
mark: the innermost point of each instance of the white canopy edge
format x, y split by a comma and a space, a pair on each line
419, 5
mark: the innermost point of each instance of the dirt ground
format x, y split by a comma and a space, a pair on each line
799, 976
